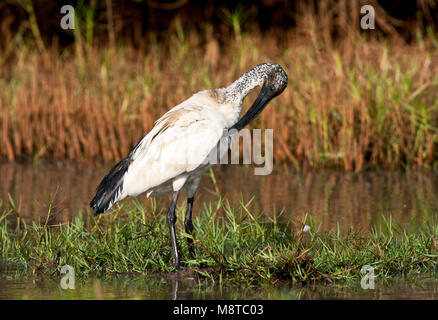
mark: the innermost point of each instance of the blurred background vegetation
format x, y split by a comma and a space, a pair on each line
356, 98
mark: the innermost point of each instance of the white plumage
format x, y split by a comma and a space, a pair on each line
175, 149
173, 155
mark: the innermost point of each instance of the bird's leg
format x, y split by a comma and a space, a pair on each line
171, 219
189, 225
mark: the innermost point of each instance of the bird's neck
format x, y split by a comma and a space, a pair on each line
239, 89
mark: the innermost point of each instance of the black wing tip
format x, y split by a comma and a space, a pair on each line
109, 187
96, 208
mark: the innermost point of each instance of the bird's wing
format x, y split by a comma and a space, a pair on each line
180, 142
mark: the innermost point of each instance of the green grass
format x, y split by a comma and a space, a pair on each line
231, 243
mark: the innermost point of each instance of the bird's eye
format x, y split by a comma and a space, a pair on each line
272, 88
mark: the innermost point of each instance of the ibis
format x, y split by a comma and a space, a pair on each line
172, 156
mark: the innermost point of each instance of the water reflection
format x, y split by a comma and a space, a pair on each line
422, 286
174, 289
333, 198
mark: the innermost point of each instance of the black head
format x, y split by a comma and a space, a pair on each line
274, 82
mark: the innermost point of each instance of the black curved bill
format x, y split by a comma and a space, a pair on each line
259, 104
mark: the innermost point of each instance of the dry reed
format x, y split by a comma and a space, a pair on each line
354, 104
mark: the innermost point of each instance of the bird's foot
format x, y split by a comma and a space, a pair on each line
177, 267
192, 253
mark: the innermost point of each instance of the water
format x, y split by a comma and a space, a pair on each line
424, 286
332, 198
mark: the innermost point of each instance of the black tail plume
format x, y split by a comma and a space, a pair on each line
110, 188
